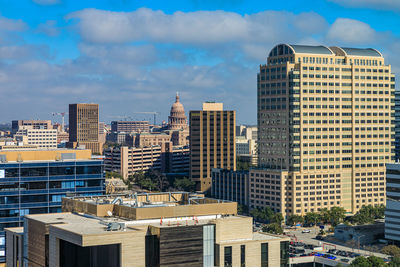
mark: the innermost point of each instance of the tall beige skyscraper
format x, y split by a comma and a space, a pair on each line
84, 127
325, 129
212, 142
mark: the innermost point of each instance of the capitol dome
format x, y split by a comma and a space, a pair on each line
177, 119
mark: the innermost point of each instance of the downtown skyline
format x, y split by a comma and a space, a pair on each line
130, 56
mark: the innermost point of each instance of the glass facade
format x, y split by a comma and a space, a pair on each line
33, 188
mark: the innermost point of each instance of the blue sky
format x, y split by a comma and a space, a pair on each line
131, 56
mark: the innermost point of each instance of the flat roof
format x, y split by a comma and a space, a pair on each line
145, 206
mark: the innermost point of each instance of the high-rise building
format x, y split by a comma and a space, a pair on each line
161, 229
84, 127
212, 142
35, 124
397, 124
325, 129
34, 181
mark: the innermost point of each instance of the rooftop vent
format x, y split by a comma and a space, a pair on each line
115, 226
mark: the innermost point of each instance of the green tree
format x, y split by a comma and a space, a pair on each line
242, 209
312, 217
376, 261
242, 165
273, 228
266, 215
395, 262
185, 184
361, 262
325, 215
336, 215
294, 219
368, 214
113, 174
277, 218
391, 250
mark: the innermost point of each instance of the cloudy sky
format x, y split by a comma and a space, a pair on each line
134, 55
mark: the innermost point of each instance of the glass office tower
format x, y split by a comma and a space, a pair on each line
33, 187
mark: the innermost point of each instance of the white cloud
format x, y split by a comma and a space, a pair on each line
46, 2
49, 28
201, 27
11, 25
130, 59
376, 4
351, 31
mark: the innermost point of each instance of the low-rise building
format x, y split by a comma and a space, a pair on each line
164, 229
130, 126
42, 138
130, 160
230, 185
35, 124
360, 234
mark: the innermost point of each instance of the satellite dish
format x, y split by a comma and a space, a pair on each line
109, 213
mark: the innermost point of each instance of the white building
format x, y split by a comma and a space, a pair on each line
42, 138
392, 213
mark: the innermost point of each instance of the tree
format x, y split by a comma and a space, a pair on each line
325, 215
371, 261
391, 250
273, 228
277, 218
312, 218
395, 262
336, 215
294, 219
242, 209
185, 184
361, 262
113, 174
242, 165
376, 262
368, 214
267, 215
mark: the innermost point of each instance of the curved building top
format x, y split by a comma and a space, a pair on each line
286, 49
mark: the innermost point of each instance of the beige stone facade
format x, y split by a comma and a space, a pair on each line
212, 142
165, 158
326, 117
35, 124
163, 229
42, 138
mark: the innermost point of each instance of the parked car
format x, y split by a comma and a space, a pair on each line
319, 237
345, 260
306, 231
332, 251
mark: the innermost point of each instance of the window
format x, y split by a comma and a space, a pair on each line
264, 255
242, 255
284, 253
228, 256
